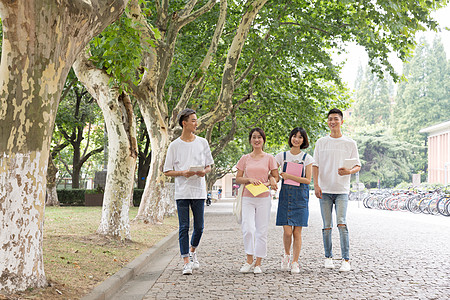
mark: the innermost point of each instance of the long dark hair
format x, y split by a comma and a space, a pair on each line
302, 131
260, 131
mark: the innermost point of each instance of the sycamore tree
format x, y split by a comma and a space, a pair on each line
111, 95
41, 40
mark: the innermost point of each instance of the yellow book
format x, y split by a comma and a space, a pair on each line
257, 189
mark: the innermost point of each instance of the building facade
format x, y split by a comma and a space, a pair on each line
438, 152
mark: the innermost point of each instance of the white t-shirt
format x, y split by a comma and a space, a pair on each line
181, 156
329, 156
294, 158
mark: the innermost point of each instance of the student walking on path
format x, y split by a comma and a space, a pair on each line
293, 211
189, 160
332, 184
254, 168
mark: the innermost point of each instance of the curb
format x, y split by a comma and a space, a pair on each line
113, 284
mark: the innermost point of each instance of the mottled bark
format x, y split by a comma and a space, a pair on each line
41, 39
122, 147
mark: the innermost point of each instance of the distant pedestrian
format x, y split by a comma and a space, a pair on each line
293, 211
254, 168
332, 184
219, 193
189, 160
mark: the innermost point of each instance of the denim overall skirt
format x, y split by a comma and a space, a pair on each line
293, 202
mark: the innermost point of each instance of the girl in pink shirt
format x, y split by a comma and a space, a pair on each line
254, 168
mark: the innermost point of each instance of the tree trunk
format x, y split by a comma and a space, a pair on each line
52, 196
143, 169
157, 199
76, 169
122, 148
41, 39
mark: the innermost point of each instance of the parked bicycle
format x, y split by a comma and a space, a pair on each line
434, 202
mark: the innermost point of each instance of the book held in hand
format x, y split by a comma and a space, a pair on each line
196, 168
295, 170
350, 163
256, 189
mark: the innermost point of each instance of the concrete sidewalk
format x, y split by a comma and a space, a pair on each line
394, 255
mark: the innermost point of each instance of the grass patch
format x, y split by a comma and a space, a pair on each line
76, 259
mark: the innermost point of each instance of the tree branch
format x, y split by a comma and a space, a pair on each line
67, 90
184, 20
58, 149
188, 8
66, 166
224, 101
86, 157
198, 76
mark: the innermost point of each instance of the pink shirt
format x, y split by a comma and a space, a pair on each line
258, 169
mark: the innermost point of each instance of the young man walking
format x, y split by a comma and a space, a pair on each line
332, 184
189, 160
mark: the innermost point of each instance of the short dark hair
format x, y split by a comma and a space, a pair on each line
184, 115
260, 131
302, 131
336, 111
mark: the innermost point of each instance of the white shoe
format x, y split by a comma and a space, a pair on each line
187, 269
246, 267
345, 267
285, 262
257, 270
193, 259
329, 263
295, 268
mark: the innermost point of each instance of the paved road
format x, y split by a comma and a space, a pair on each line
394, 255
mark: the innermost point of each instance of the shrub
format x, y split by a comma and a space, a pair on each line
73, 197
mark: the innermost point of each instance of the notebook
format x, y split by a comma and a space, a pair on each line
350, 163
256, 189
293, 169
196, 168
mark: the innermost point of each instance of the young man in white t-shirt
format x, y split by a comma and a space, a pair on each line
189, 159
332, 184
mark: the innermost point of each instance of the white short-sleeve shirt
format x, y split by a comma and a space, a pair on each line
329, 156
181, 156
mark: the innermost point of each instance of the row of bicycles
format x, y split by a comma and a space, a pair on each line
433, 202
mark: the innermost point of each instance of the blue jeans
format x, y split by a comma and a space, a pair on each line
197, 207
340, 201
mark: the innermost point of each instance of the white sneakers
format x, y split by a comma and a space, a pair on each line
247, 267
295, 268
187, 269
329, 263
345, 267
285, 262
193, 264
193, 259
